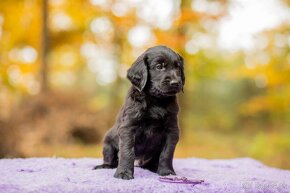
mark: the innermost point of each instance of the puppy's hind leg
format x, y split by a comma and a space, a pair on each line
110, 156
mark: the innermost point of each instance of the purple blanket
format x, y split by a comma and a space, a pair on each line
76, 175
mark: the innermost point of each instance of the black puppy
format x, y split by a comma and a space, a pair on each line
147, 125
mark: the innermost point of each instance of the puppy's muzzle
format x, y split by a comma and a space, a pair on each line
174, 84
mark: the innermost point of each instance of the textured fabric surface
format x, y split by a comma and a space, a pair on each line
76, 175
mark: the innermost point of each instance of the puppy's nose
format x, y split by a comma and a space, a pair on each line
174, 83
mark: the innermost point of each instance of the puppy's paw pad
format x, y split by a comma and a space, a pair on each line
125, 175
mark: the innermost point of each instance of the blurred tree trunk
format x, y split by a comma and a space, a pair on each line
44, 47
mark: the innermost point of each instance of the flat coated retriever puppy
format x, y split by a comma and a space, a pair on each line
146, 129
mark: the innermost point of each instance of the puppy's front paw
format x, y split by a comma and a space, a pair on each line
125, 175
165, 172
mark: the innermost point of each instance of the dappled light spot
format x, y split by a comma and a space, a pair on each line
63, 78
140, 35
100, 61
105, 71
159, 13
101, 26
68, 58
89, 50
14, 74
199, 41
261, 80
60, 21
249, 62
26, 54
120, 9
247, 18
191, 47
26, 80
261, 42
211, 7
263, 58
101, 3
282, 40
32, 85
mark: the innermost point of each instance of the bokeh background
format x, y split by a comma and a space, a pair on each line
63, 70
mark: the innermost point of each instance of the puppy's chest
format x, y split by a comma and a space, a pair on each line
153, 122
156, 112
152, 125
149, 136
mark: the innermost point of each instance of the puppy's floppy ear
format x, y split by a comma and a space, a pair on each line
182, 70
138, 73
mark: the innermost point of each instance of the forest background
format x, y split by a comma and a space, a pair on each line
63, 70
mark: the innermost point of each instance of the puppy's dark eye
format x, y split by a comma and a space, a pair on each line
176, 65
160, 66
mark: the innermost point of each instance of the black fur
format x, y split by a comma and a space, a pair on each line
146, 129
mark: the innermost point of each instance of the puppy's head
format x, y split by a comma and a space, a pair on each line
158, 71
